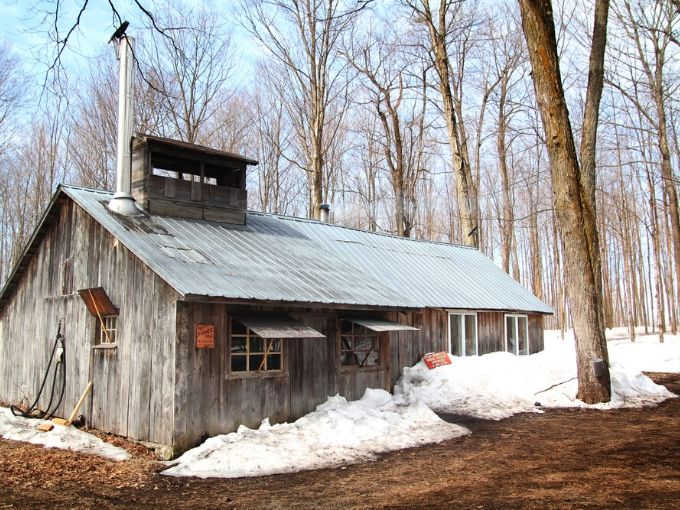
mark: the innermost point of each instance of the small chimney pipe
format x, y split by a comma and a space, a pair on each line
325, 213
123, 202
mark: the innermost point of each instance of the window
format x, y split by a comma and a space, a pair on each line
463, 339
359, 347
250, 352
517, 334
106, 330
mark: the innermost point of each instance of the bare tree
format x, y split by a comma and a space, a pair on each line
384, 76
440, 26
302, 36
191, 66
576, 222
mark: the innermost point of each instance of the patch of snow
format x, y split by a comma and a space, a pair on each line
338, 432
19, 428
498, 385
493, 386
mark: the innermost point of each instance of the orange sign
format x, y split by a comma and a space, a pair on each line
205, 336
437, 359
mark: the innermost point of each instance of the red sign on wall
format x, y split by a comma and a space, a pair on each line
205, 336
436, 359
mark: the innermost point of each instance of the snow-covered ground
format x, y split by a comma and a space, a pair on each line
493, 386
338, 432
498, 385
68, 438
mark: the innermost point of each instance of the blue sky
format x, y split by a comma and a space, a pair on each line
25, 29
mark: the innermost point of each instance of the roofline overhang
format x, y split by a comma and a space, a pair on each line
58, 199
196, 298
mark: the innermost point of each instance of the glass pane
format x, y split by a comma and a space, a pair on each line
256, 344
470, 335
522, 334
238, 344
274, 362
511, 334
256, 362
455, 328
349, 359
346, 327
371, 358
363, 343
274, 345
346, 343
238, 363
237, 328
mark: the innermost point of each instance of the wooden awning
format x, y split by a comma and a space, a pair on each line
97, 302
267, 326
381, 325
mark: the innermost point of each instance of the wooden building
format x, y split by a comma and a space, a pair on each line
196, 316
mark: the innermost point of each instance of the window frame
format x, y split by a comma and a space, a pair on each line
379, 337
249, 333
101, 339
516, 317
463, 313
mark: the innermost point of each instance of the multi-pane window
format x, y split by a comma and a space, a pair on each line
106, 330
359, 347
463, 334
250, 352
516, 334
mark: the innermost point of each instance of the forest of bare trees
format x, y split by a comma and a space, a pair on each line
409, 117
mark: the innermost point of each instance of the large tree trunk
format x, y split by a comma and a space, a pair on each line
575, 219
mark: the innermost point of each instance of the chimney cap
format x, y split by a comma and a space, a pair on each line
325, 207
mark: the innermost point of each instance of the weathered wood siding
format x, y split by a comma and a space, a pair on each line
209, 400
536, 342
134, 383
408, 347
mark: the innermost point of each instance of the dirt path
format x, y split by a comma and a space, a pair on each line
560, 459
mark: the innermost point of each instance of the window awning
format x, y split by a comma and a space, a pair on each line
381, 325
97, 302
278, 327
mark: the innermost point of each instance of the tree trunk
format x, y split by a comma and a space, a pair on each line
575, 219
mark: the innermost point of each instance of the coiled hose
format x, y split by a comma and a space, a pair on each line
60, 362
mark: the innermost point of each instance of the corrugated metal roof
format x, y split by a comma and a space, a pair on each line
275, 258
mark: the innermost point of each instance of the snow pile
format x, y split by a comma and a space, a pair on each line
498, 385
338, 432
18, 428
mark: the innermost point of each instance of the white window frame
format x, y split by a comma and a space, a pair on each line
516, 317
448, 327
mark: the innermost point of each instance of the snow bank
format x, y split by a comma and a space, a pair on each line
18, 428
498, 385
338, 432
493, 386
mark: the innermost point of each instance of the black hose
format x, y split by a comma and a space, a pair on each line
63, 380
16, 411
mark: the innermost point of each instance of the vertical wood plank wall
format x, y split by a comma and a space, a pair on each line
133, 384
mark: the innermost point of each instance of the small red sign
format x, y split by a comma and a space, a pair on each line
436, 359
205, 336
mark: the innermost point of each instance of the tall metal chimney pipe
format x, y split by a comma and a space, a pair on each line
122, 202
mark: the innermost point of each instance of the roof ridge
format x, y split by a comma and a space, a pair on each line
355, 229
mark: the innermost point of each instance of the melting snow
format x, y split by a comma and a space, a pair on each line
338, 432
493, 386
18, 428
